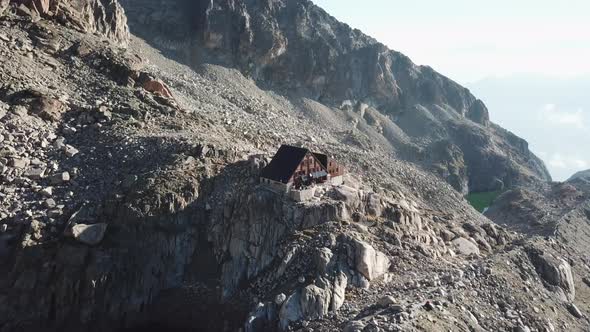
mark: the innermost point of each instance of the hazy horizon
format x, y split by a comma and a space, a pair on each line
538, 47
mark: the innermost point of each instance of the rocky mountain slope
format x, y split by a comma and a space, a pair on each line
297, 48
130, 201
580, 175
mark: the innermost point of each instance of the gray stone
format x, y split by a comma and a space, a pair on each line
279, 299
348, 195
89, 234
20, 162
465, 247
374, 207
49, 203
322, 259
35, 173
354, 326
339, 291
522, 328
555, 271
315, 302
60, 178
71, 151
69, 131
310, 303
19, 111
47, 192
573, 309
370, 262
59, 143
447, 235
386, 301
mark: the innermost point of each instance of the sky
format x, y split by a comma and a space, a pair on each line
475, 42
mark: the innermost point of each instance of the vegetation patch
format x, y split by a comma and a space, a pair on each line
482, 200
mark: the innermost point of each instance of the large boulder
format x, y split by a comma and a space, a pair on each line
349, 196
465, 247
49, 109
371, 263
555, 271
158, 87
89, 234
314, 301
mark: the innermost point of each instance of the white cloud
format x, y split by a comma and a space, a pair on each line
560, 161
551, 115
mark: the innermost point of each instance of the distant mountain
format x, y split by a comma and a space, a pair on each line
580, 175
552, 114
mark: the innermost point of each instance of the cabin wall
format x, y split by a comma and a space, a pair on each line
334, 169
302, 195
308, 165
276, 186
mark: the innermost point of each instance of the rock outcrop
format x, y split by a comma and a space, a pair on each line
105, 17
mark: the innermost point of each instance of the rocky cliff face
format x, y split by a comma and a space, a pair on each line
105, 17
297, 47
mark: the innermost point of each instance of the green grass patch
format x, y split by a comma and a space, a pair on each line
480, 201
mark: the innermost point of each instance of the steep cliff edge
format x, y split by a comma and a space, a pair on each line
296, 48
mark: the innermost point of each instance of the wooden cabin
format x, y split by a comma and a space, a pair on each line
295, 167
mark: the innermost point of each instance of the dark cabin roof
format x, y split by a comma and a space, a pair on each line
322, 158
284, 163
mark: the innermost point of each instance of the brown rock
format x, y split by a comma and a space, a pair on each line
49, 109
157, 87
